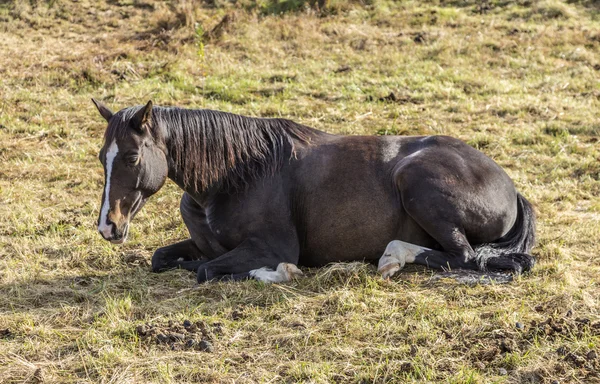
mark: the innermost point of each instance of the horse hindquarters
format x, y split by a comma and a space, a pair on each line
453, 192
509, 254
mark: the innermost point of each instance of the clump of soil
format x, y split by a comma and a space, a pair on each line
197, 336
5, 333
553, 327
565, 327
519, 337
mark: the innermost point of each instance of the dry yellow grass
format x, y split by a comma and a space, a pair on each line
516, 79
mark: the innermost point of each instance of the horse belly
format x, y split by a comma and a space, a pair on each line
348, 202
348, 228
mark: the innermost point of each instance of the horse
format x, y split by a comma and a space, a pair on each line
263, 196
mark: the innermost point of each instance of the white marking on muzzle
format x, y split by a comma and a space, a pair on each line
396, 255
105, 228
284, 272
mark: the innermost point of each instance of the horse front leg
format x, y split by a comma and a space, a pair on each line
184, 255
253, 258
189, 254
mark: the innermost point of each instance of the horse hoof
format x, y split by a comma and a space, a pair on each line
204, 274
396, 255
158, 262
389, 270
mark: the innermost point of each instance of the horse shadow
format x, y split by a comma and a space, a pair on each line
134, 293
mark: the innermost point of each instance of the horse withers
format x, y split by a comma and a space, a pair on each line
263, 196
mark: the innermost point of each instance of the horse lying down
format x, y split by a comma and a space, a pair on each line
265, 195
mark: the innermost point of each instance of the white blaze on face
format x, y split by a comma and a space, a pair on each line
104, 227
396, 255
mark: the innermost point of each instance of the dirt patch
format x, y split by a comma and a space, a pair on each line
5, 333
396, 97
197, 336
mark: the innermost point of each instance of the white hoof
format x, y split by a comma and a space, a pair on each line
290, 270
395, 257
389, 270
284, 272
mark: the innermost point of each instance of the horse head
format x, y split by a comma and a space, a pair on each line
135, 167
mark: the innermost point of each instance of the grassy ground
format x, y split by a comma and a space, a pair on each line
517, 79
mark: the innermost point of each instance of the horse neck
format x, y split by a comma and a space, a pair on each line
212, 151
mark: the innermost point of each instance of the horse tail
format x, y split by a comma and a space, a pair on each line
511, 251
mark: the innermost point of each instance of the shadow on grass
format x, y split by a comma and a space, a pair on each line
135, 292
90, 292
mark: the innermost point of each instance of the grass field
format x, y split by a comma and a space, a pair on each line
518, 80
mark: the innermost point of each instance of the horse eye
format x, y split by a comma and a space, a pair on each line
132, 159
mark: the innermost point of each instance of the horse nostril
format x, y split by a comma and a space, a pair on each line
107, 229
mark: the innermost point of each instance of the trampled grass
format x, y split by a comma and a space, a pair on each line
518, 80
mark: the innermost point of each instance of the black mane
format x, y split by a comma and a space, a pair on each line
209, 147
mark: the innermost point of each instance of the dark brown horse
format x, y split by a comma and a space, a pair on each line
264, 195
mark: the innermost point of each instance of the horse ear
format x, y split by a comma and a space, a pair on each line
142, 117
105, 112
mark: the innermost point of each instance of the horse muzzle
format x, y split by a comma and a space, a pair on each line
113, 233
120, 235
115, 226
